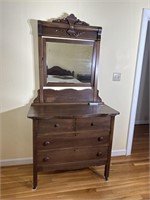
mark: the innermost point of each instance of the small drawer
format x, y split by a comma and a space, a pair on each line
71, 155
93, 123
56, 125
52, 141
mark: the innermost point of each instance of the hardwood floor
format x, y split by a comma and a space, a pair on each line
129, 179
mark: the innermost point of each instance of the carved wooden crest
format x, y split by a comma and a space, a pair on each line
71, 20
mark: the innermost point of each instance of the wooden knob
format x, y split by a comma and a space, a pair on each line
100, 138
46, 159
46, 143
76, 150
57, 125
92, 124
99, 154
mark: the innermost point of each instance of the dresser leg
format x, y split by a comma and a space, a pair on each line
34, 184
106, 172
34, 179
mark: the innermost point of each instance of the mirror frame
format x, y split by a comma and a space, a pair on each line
68, 30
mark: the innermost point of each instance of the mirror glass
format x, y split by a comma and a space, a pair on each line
69, 62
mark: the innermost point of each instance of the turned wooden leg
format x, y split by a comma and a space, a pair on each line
106, 172
34, 179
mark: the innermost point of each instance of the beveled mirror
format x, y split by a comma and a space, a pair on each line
69, 62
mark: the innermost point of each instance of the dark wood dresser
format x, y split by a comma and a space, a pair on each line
72, 129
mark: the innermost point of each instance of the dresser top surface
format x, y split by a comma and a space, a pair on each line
69, 111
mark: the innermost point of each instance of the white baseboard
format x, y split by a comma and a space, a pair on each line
26, 161
121, 152
17, 161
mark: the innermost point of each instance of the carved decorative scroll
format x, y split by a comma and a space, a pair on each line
71, 20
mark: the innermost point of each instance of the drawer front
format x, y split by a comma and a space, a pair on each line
71, 155
56, 125
51, 141
93, 123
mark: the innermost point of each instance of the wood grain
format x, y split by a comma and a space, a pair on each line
129, 179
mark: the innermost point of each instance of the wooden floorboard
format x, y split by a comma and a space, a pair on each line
129, 179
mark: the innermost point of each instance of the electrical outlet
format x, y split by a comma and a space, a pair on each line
116, 76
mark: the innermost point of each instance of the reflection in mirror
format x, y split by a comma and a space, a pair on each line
68, 62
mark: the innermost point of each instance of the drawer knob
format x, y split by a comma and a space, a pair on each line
46, 159
76, 150
92, 124
100, 138
99, 154
57, 125
46, 143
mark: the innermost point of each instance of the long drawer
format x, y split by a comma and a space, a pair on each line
71, 155
51, 141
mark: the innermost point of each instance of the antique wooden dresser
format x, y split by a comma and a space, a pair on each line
72, 127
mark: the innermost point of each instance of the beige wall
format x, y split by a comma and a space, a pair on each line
120, 20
